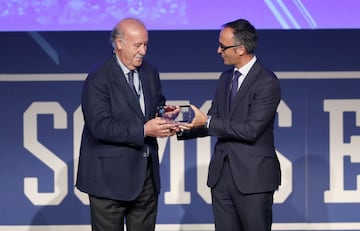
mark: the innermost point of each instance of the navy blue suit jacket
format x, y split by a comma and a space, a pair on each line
245, 133
112, 163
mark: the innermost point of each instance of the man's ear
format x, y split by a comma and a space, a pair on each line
241, 50
116, 44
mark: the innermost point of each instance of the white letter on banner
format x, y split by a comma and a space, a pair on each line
78, 127
286, 187
177, 193
338, 149
31, 143
203, 156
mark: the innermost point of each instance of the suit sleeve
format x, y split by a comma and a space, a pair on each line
192, 133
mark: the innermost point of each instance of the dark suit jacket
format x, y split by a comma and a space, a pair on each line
245, 133
112, 162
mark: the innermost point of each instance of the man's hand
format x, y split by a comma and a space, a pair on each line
160, 127
200, 119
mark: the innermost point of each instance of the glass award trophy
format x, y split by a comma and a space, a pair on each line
178, 114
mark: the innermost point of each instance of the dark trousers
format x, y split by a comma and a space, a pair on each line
140, 214
235, 211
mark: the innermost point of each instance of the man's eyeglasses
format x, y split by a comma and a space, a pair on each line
224, 48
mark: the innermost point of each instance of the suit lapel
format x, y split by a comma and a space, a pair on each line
146, 89
119, 80
228, 90
248, 81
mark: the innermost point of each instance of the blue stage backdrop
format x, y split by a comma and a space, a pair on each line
317, 127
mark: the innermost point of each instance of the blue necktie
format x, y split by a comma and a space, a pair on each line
131, 83
234, 86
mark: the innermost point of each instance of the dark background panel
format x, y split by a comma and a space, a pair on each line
181, 51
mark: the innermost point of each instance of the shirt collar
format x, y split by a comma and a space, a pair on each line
123, 67
244, 70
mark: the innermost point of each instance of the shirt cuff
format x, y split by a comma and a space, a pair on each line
208, 122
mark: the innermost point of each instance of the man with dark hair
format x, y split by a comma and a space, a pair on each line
244, 170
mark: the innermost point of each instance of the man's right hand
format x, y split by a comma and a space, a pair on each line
199, 120
160, 127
